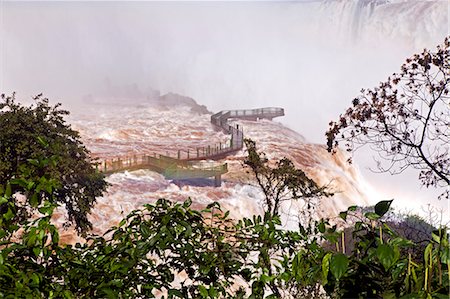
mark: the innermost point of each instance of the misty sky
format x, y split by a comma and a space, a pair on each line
311, 58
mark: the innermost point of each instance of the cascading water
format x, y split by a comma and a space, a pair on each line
413, 23
146, 128
310, 58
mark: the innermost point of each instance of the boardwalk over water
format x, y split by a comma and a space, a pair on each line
186, 165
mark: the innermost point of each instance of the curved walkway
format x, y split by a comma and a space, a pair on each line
184, 166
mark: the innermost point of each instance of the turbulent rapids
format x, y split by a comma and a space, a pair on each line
184, 167
311, 56
148, 127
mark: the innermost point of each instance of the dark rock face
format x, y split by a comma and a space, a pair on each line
133, 95
173, 99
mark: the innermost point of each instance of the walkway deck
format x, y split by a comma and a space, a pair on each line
184, 166
170, 168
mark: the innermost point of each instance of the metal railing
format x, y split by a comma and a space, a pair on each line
183, 163
160, 163
221, 117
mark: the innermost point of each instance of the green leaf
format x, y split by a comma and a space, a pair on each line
3, 200
386, 255
266, 278
321, 227
382, 207
68, 294
372, 216
8, 191
20, 181
213, 205
325, 267
352, 208
9, 214
36, 250
213, 292
401, 242
34, 162
35, 278
338, 265
175, 292
30, 185
109, 293
146, 232
435, 237
188, 231
445, 255
343, 215
427, 253
34, 200
203, 291
187, 203
389, 294
42, 141
285, 276
47, 209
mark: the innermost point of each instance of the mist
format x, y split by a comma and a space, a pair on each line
311, 58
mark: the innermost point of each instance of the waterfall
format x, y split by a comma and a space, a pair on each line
418, 23
310, 57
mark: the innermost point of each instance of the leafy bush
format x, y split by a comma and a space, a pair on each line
168, 249
37, 144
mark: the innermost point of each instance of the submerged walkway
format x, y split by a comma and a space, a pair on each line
186, 165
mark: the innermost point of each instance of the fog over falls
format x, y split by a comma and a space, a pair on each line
115, 130
309, 57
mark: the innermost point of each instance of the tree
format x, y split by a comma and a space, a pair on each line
170, 250
39, 130
405, 119
281, 182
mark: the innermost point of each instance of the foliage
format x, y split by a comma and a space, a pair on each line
405, 119
29, 263
169, 250
40, 131
281, 182
380, 265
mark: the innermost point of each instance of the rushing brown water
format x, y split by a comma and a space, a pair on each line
117, 130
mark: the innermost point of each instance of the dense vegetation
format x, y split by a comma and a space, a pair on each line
39, 130
168, 249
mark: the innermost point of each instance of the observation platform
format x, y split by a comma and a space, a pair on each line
185, 165
170, 168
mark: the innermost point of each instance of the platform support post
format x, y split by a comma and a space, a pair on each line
218, 180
